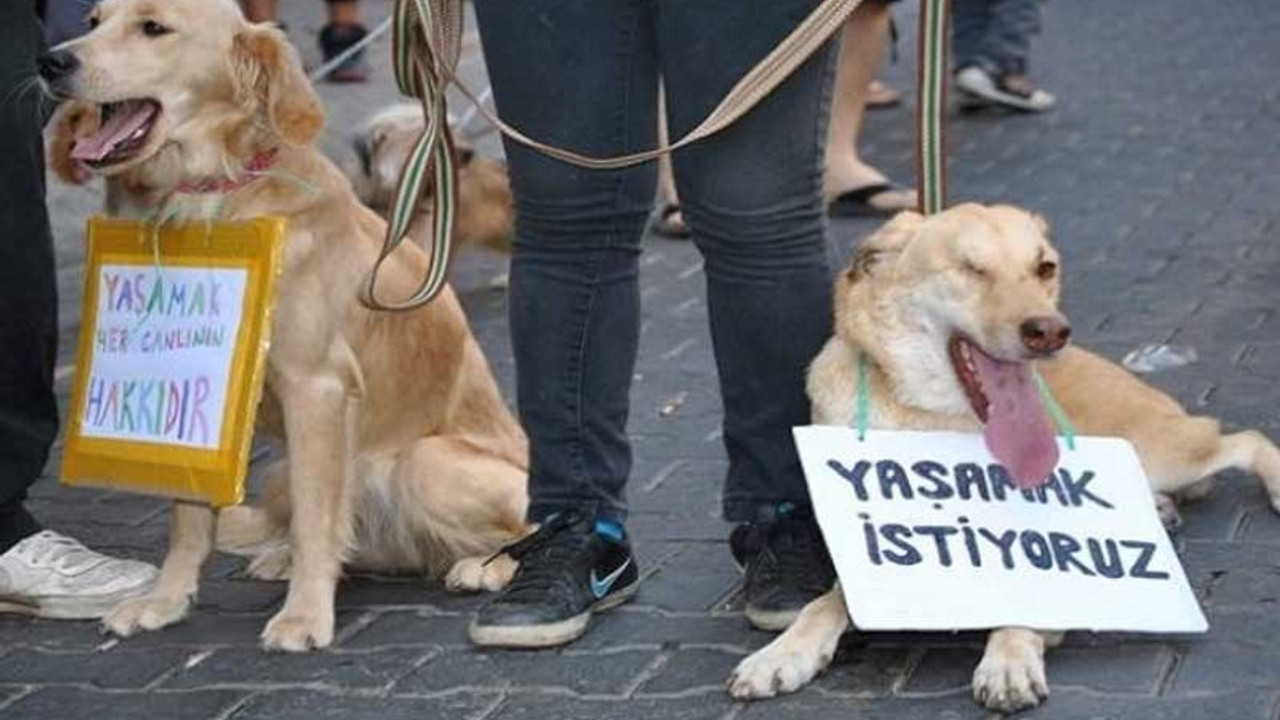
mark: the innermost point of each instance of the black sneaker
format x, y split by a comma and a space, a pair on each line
335, 39
570, 568
787, 566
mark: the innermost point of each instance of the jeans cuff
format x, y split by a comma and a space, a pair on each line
984, 64
755, 510
540, 510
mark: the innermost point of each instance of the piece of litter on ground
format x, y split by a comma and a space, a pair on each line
196, 659
1154, 358
671, 406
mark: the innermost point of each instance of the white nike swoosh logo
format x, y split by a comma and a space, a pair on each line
600, 587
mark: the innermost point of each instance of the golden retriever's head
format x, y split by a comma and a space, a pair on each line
184, 87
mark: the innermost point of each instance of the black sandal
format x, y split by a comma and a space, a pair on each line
857, 202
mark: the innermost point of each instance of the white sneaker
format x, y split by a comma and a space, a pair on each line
1018, 94
53, 576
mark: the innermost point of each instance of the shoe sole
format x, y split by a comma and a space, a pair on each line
770, 620
94, 608
550, 634
992, 94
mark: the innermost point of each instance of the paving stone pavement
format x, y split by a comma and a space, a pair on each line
1158, 173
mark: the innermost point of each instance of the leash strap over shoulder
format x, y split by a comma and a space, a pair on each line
428, 36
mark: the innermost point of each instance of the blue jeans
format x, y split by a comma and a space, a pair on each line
994, 35
583, 74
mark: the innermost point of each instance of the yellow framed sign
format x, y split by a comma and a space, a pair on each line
172, 356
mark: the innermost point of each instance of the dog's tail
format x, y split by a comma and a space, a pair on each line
1253, 452
1266, 464
244, 529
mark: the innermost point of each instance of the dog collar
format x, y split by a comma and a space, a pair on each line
252, 171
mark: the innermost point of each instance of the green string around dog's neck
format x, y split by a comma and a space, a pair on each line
1060, 419
862, 414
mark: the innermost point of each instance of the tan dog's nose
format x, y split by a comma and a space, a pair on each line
1046, 334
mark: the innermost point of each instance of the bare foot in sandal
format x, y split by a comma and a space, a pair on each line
855, 189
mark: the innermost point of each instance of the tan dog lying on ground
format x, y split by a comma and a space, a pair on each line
950, 311
401, 453
383, 143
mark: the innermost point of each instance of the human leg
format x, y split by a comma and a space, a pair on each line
851, 186
41, 572
573, 297
28, 302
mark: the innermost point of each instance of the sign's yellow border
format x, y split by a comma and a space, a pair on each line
215, 476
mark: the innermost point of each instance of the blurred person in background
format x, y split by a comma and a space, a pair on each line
991, 42
343, 30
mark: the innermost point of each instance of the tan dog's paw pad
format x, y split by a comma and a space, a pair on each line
297, 632
150, 612
775, 671
1011, 680
477, 574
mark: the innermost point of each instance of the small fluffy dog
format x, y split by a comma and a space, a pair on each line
951, 311
383, 143
401, 454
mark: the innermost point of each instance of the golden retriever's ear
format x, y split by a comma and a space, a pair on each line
884, 245
269, 79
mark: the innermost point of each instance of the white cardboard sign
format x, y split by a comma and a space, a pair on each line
162, 353
928, 532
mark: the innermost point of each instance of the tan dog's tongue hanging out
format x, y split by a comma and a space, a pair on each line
1016, 424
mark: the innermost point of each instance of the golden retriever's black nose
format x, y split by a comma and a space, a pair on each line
1044, 335
57, 65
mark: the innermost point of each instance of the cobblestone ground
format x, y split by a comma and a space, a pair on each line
1158, 173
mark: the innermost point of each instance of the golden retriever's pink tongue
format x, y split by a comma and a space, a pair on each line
131, 117
1018, 431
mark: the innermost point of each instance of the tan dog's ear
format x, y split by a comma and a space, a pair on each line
884, 245
269, 79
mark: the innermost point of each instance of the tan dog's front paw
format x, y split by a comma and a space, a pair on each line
298, 632
476, 574
775, 670
1011, 677
149, 612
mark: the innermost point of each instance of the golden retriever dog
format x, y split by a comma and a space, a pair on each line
401, 455
951, 312
383, 142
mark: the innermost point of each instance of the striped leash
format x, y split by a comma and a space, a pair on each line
427, 40
931, 96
